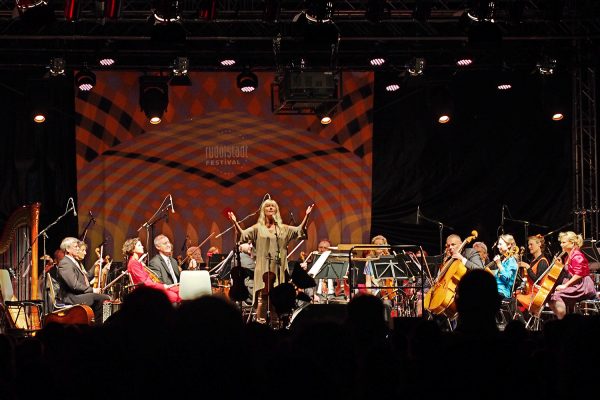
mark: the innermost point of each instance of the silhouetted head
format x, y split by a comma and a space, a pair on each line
477, 294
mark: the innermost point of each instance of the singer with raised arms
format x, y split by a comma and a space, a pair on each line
271, 237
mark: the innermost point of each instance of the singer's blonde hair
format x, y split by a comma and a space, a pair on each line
262, 219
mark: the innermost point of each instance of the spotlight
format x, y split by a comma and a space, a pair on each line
180, 72
56, 66
154, 97
464, 61
247, 81
481, 10
39, 118
379, 55
319, 10
38, 99
557, 116
444, 119
165, 11
85, 79
35, 11
546, 66
504, 86
324, 113
392, 87
416, 67
227, 62
106, 61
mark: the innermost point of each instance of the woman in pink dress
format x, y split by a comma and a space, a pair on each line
577, 284
140, 274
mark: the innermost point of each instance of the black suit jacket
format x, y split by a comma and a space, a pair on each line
159, 267
72, 280
473, 259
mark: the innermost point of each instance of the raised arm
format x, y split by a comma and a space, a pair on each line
232, 217
308, 210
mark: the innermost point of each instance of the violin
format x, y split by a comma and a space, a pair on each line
514, 251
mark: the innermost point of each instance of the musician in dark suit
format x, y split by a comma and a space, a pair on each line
74, 280
469, 257
163, 264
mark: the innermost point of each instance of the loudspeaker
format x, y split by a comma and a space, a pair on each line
590, 249
317, 313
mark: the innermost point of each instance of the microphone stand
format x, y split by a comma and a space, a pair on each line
441, 227
163, 212
525, 225
549, 234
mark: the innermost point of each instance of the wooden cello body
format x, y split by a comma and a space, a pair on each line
441, 297
80, 314
549, 281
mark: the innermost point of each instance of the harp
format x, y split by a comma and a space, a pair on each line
19, 261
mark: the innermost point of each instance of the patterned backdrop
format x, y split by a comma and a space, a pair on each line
219, 149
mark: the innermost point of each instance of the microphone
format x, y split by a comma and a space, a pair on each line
418, 213
172, 205
73, 203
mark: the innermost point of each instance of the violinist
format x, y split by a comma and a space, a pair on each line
577, 284
140, 274
194, 255
507, 265
539, 264
371, 281
271, 237
74, 280
163, 264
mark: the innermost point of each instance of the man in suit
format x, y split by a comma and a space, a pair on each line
163, 264
469, 257
74, 280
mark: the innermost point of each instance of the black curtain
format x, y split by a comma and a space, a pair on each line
37, 161
500, 148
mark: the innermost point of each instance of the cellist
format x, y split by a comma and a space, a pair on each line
539, 264
577, 284
469, 257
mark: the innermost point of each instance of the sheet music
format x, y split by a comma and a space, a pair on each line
316, 267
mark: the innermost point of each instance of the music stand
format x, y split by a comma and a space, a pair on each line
333, 269
396, 267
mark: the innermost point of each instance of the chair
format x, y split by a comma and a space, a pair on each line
52, 286
588, 307
194, 284
19, 316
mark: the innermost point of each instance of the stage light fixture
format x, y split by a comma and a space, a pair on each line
56, 66
319, 11
227, 62
166, 11
154, 97
106, 61
180, 75
416, 66
35, 11
85, 79
38, 99
392, 87
464, 61
324, 112
558, 116
546, 66
247, 81
481, 10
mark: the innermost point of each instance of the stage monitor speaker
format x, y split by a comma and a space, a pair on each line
317, 313
590, 249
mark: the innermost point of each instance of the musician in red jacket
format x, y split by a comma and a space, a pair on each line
577, 284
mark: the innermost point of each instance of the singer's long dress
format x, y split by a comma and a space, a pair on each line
140, 275
267, 244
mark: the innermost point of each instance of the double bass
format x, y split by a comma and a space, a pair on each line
441, 297
549, 281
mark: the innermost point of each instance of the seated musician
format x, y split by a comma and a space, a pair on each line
577, 284
74, 280
323, 285
469, 257
539, 264
248, 264
507, 265
371, 281
481, 248
140, 274
164, 266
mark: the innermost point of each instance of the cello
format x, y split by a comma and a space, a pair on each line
440, 299
550, 279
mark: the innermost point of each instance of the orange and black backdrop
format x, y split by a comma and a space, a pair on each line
219, 149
